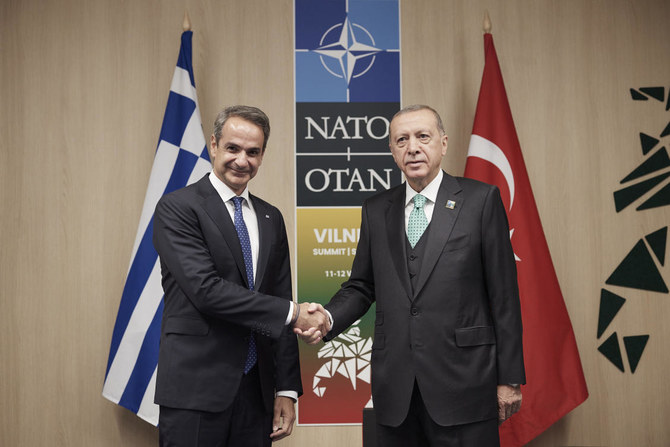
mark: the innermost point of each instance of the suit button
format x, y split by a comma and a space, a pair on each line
412, 257
414, 311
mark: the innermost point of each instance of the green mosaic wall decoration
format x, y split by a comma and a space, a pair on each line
648, 186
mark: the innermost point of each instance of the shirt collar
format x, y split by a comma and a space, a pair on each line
225, 192
429, 192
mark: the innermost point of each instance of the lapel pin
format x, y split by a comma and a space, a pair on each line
267, 216
450, 204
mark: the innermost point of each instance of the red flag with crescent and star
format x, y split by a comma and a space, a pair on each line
555, 380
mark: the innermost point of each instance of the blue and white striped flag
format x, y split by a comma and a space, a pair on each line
181, 158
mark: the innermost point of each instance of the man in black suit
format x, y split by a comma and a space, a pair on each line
435, 256
228, 369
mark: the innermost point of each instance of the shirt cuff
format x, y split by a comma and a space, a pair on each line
292, 394
289, 317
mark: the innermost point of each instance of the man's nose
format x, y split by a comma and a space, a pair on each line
413, 145
241, 160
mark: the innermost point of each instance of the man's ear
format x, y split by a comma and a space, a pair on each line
212, 147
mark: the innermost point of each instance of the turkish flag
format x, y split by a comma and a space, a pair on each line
555, 380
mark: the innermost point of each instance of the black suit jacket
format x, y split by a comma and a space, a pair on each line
209, 311
458, 333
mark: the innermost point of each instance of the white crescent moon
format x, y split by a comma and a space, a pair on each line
482, 148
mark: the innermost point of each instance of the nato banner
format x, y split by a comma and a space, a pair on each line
347, 89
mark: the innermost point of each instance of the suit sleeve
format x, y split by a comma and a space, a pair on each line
357, 294
179, 240
503, 290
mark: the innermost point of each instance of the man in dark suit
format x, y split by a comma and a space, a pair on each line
435, 256
228, 369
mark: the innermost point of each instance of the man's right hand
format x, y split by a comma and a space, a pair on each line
312, 323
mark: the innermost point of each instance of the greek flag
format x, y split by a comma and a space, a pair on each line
181, 158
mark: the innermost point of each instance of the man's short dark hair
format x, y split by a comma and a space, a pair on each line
248, 113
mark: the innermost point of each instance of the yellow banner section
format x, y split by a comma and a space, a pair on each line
327, 239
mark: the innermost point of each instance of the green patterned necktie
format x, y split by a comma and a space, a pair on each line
417, 221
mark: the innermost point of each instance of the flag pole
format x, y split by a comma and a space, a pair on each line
186, 25
487, 22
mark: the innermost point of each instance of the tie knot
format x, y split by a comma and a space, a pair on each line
237, 201
419, 201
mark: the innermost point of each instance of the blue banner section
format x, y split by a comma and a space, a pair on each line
347, 51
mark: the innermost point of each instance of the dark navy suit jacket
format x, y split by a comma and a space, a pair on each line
209, 310
458, 331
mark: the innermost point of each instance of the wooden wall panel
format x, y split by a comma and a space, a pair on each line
84, 87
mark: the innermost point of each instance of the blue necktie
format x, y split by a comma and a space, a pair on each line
245, 243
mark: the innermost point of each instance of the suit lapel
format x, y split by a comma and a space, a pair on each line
216, 209
441, 224
264, 244
395, 231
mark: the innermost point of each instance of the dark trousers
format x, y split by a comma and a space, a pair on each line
419, 430
244, 424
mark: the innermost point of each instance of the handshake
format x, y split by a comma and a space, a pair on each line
310, 322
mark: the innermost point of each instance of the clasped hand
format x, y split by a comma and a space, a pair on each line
312, 323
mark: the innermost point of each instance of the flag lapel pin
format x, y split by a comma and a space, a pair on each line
450, 204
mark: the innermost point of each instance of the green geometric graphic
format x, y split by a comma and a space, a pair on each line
628, 195
637, 96
610, 349
647, 143
638, 271
656, 162
658, 93
657, 241
610, 304
666, 131
661, 198
634, 348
